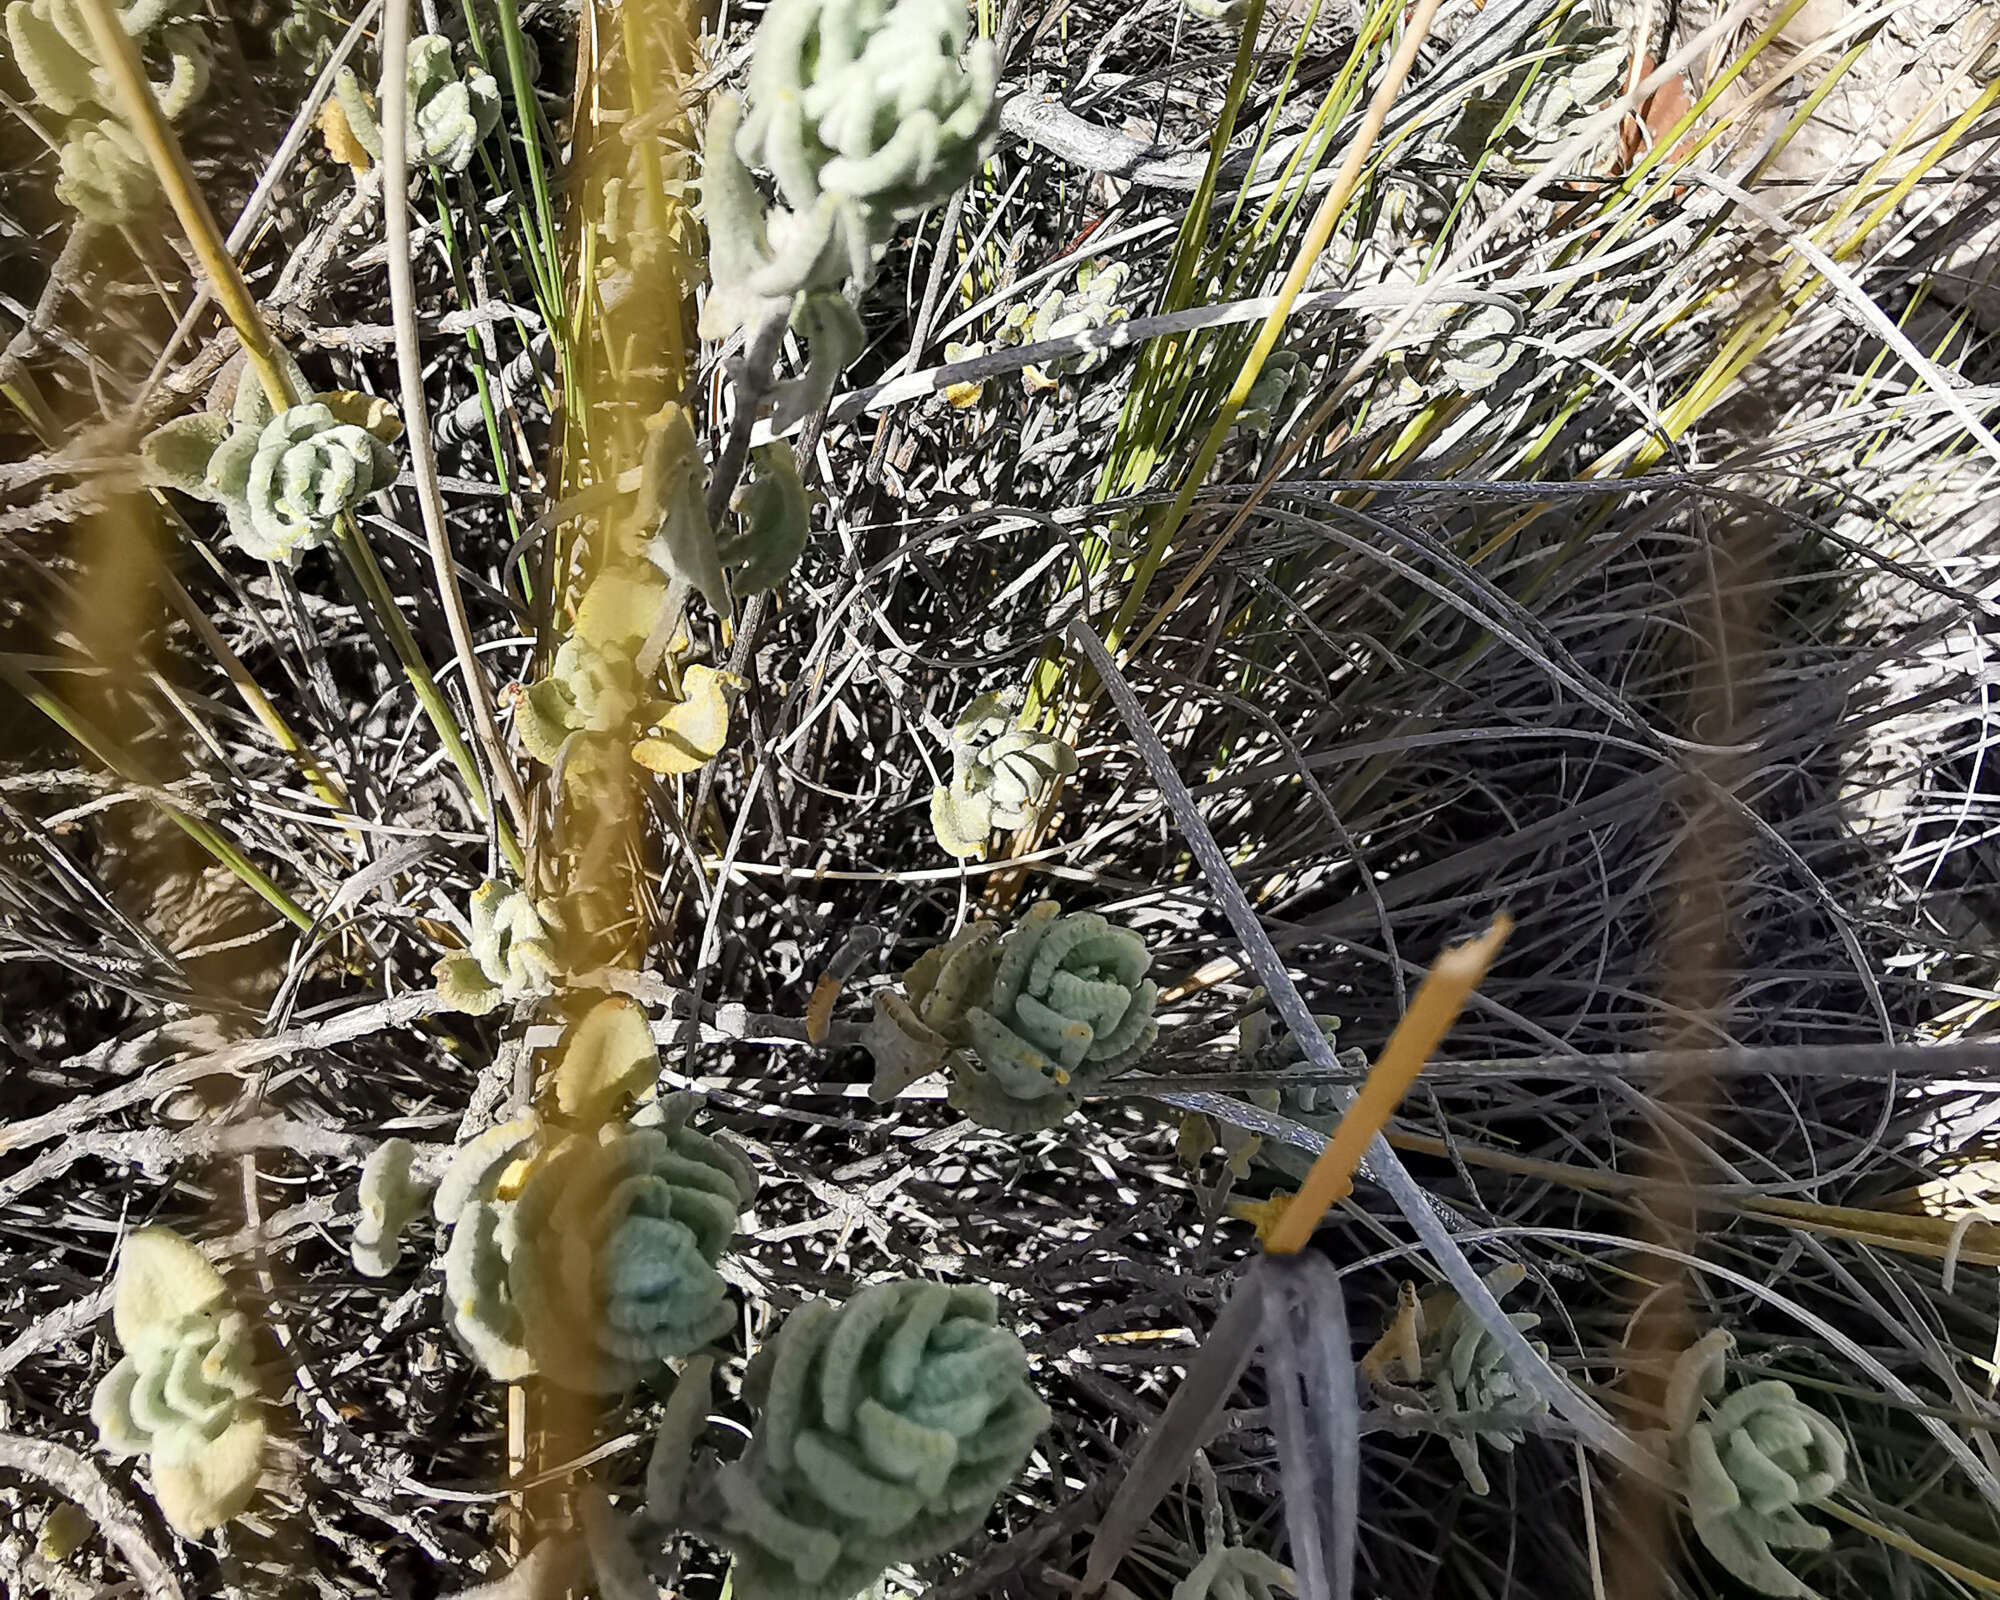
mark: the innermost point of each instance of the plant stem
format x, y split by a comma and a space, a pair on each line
416, 417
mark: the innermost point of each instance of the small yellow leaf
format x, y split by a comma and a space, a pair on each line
1264, 1214
340, 141
688, 736
620, 606
609, 1056
368, 411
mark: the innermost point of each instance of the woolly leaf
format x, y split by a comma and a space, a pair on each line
610, 1056
176, 454
391, 1194
690, 734
162, 1279
888, 1426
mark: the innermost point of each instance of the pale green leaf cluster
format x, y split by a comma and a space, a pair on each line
184, 1394
1237, 1572
596, 690
1027, 1023
449, 110
1751, 1461
590, 1258
1473, 347
1270, 397
1092, 303
1437, 1355
1473, 1383
617, 1238
512, 954
1585, 66
103, 173
886, 1429
282, 478
865, 113
1001, 775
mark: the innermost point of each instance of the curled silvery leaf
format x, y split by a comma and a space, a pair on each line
865, 114
1751, 1462
104, 175
1026, 1023
284, 486
450, 111
1000, 775
1091, 305
392, 1193
447, 111
52, 47
1474, 347
886, 1428
1237, 1572
512, 954
475, 1203
1465, 1375
1472, 1379
185, 1392
1584, 66
615, 1243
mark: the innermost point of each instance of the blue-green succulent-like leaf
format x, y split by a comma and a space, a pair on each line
1750, 1466
616, 1244
887, 1426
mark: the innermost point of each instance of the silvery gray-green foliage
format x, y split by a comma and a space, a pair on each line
616, 1240
865, 115
886, 1428
1027, 1023
475, 1202
1471, 1380
1474, 346
448, 110
1236, 1572
392, 1193
1271, 395
773, 520
1586, 68
511, 956
303, 38
185, 1392
1229, 11
281, 477
52, 48
284, 488
1059, 314
1750, 1462
1000, 775
103, 172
